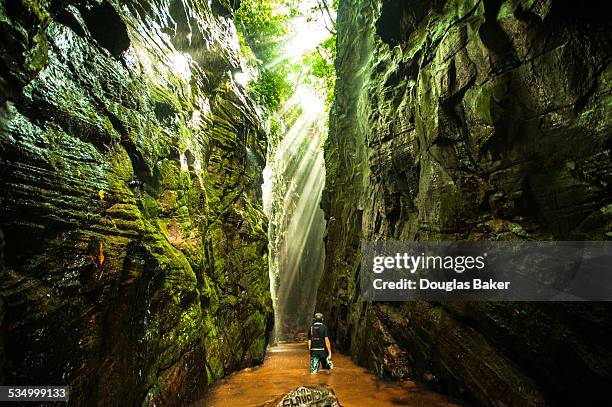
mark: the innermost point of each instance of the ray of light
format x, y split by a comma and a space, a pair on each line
293, 183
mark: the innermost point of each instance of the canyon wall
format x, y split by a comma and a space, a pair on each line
135, 256
478, 120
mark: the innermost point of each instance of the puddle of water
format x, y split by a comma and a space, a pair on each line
286, 367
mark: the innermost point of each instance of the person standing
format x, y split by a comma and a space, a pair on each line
319, 345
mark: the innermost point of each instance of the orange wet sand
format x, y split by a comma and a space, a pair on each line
286, 367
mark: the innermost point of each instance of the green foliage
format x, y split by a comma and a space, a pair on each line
260, 25
269, 89
254, 13
263, 27
321, 70
275, 126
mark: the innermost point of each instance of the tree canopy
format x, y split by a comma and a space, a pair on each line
267, 31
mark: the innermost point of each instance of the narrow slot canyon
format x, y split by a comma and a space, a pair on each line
186, 184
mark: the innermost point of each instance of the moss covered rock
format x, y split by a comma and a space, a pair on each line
129, 207
465, 119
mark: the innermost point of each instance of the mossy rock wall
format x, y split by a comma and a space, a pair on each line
480, 120
136, 249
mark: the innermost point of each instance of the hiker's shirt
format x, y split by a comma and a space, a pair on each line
317, 335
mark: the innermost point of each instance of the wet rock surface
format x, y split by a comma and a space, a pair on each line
315, 396
135, 258
481, 120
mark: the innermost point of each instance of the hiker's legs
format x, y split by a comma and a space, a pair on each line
314, 362
324, 364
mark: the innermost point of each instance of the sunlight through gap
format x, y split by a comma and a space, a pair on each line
294, 179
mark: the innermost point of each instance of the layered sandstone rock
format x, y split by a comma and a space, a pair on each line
136, 260
481, 120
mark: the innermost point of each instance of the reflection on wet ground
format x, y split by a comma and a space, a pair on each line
286, 367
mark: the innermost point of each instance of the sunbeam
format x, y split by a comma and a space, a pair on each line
294, 180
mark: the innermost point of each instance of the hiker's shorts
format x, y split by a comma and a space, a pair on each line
318, 358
